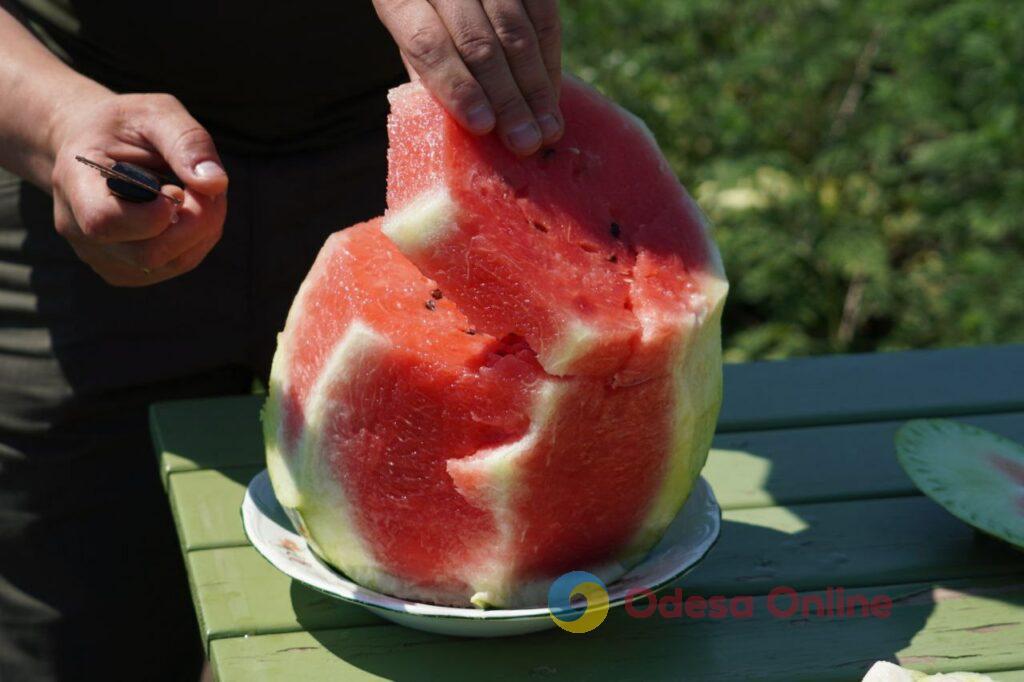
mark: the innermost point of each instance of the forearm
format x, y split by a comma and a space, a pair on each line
36, 90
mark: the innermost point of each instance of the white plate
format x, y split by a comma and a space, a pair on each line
688, 538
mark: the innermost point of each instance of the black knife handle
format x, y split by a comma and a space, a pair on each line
136, 194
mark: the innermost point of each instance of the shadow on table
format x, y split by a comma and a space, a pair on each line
755, 641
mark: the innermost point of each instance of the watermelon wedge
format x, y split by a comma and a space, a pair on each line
977, 475
590, 250
515, 374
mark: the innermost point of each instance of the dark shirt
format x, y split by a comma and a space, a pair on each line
263, 77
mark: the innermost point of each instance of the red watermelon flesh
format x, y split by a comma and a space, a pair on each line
413, 426
371, 379
591, 249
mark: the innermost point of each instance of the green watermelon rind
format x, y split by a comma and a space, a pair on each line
922, 444
699, 382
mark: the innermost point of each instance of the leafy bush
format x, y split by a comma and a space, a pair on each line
862, 161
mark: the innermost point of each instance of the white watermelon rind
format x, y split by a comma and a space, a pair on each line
944, 460
281, 476
423, 223
308, 488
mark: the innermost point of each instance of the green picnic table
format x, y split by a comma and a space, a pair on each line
813, 498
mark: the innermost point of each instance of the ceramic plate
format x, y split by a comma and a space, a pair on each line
688, 538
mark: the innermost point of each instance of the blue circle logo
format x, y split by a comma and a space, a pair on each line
579, 617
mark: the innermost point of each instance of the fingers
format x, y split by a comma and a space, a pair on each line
127, 243
482, 52
522, 49
98, 215
174, 250
547, 24
184, 144
429, 52
120, 274
201, 220
485, 62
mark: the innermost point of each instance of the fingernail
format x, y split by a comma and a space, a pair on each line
480, 118
208, 169
549, 126
524, 137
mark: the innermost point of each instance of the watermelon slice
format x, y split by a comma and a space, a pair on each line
466, 403
975, 474
590, 250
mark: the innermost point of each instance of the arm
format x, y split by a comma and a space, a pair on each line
37, 86
49, 113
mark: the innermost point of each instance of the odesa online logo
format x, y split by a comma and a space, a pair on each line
578, 619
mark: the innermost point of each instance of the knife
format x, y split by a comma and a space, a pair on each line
134, 183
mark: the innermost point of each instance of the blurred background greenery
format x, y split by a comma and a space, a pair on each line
862, 161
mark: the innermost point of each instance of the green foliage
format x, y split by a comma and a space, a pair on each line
862, 162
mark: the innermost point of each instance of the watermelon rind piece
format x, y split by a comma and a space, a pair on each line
422, 224
280, 471
302, 480
977, 475
884, 671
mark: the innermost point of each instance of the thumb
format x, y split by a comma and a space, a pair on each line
187, 148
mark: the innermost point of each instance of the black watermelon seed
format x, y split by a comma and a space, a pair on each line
613, 258
615, 230
430, 304
548, 153
436, 294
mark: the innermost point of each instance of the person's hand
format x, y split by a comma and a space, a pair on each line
489, 62
137, 244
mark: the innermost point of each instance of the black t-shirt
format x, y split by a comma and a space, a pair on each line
263, 77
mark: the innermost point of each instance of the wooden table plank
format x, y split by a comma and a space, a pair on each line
817, 464
224, 432
840, 389
974, 625
806, 547
237, 592
764, 468
208, 433
872, 542
206, 505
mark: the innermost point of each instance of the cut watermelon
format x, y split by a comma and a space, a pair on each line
590, 250
975, 474
466, 403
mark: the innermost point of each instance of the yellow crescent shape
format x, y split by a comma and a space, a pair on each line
595, 613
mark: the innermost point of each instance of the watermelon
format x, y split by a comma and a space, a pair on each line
514, 374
